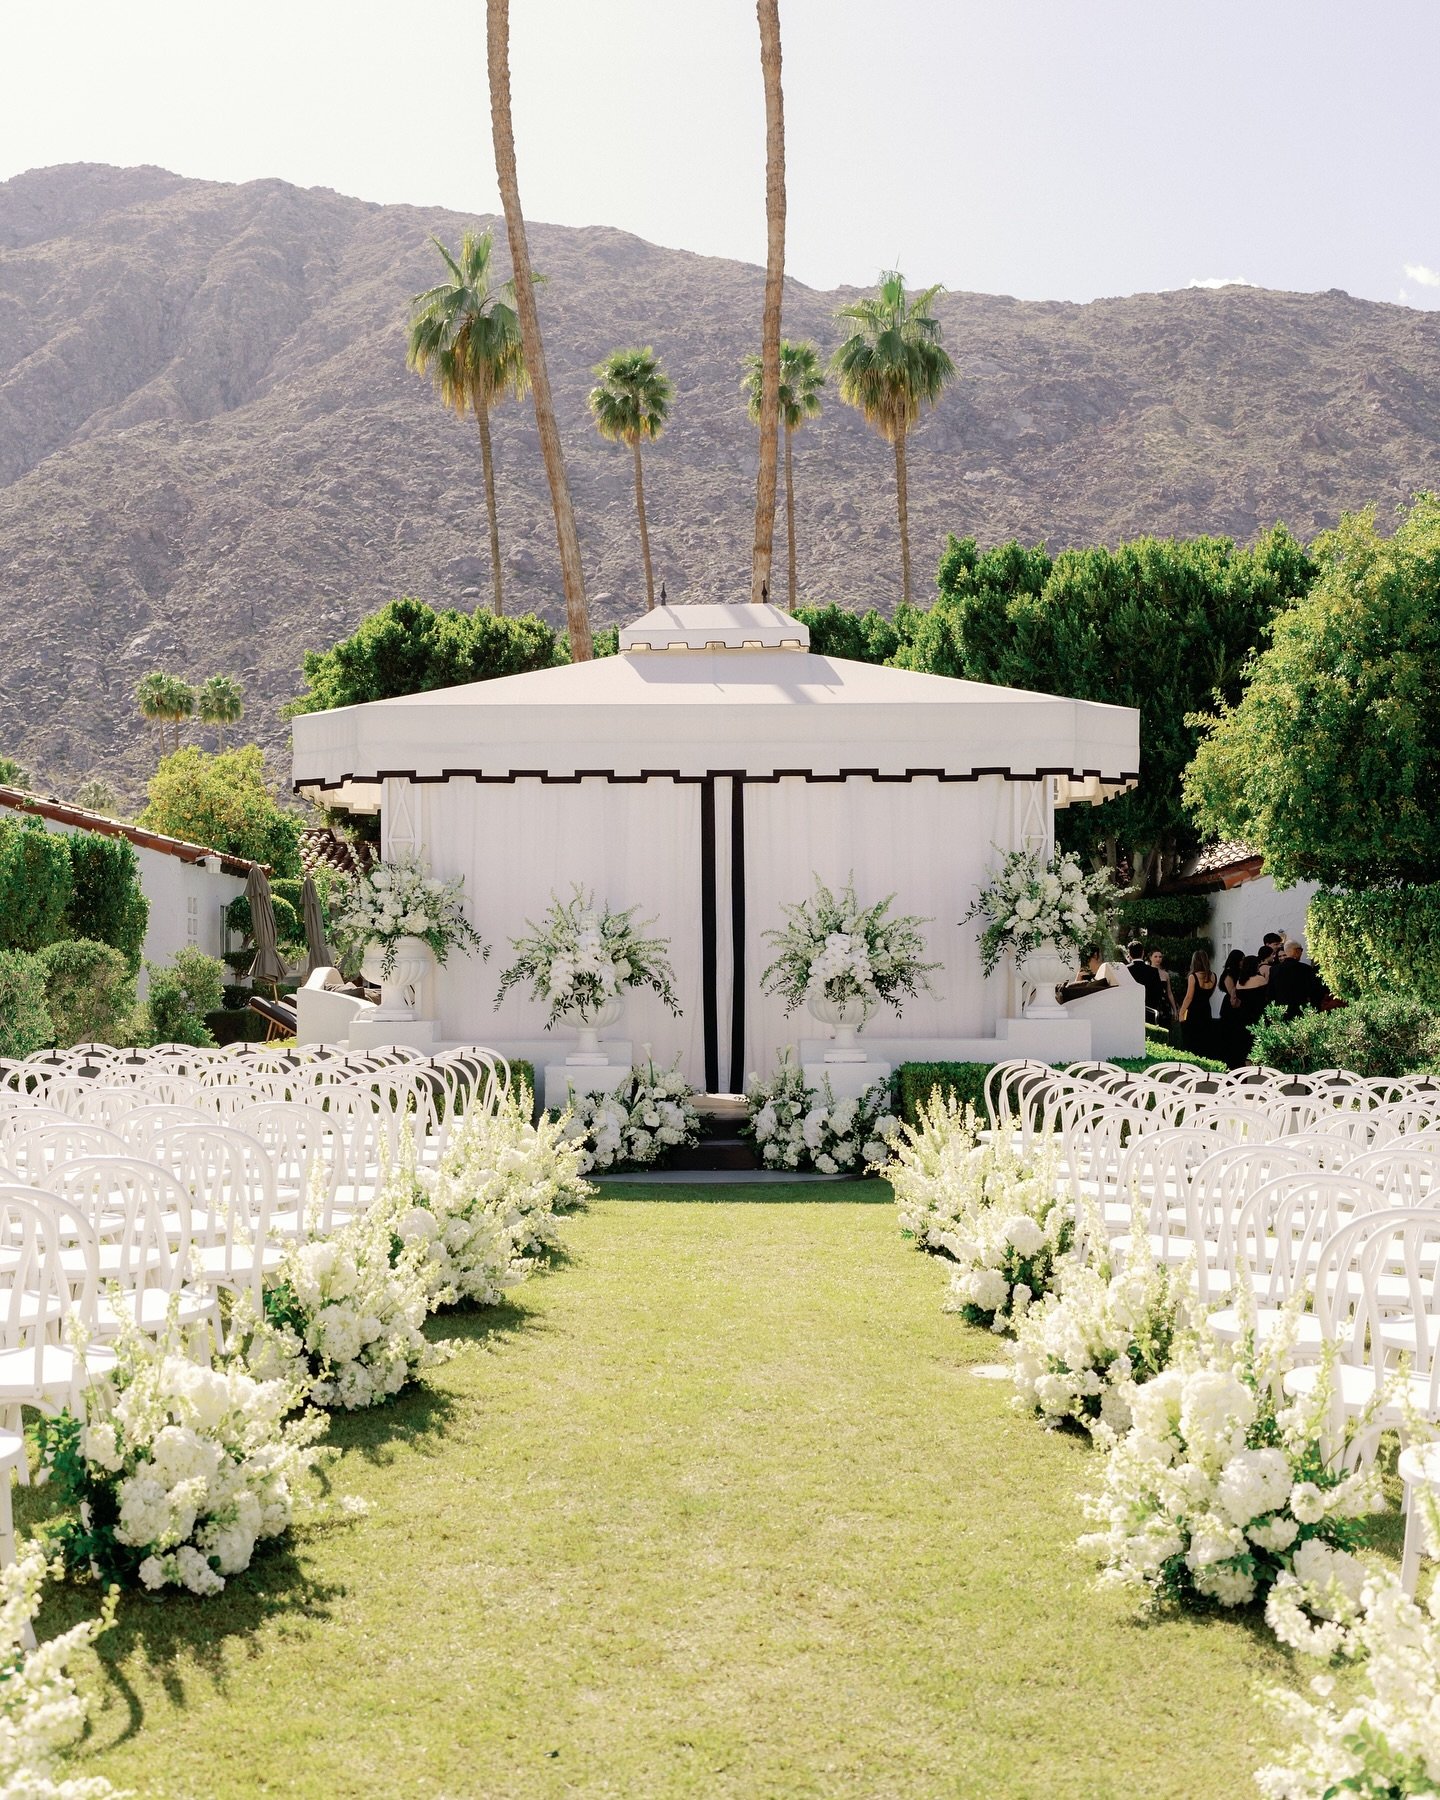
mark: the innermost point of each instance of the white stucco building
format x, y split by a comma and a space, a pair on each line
1245, 903
187, 885
707, 775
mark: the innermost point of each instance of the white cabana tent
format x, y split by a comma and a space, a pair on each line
707, 774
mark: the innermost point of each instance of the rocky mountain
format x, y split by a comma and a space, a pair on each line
212, 456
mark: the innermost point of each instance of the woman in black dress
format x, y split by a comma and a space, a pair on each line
1197, 1009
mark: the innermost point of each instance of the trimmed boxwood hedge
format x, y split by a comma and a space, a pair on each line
1384, 941
965, 1081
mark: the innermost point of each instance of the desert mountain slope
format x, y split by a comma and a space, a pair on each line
212, 455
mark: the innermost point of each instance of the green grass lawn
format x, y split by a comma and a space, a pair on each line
716, 1508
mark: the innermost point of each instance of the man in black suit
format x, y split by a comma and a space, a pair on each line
1294, 983
1149, 978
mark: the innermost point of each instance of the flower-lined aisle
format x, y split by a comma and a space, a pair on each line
1218, 1485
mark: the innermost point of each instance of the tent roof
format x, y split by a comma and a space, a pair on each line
691, 708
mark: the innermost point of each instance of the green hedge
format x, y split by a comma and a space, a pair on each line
237, 1025
1177, 915
1381, 1035
107, 902
965, 1081
35, 884
1385, 941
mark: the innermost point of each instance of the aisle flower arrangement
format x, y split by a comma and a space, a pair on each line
637, 1125
998, 1216
1111, 1324
181, 1470
1385, 1743
476, 1224
342, 1318
399, 899
581, 956
833, 948
1031, 901
797, 1127
41, 1714
1219, 1488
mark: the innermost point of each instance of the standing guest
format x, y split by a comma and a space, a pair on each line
1197, 1015
1227, 1031
1251, 991
1149, 979
1270, 945
1156, 960
1294, 983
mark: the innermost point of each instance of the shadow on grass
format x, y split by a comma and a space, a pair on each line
747, 1193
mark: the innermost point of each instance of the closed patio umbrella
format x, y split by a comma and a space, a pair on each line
317, 951
267, 965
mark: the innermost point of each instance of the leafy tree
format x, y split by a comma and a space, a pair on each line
107, 901
465, 334
891, 366
13, 774
502, 134
408, 647
220, 701
1158, 624
631, 402
858, 637
98, 795
89, 990
181, 993
35, 884
767, 399
25, 1024
1330, 763
168, 701
801, 379
224, 801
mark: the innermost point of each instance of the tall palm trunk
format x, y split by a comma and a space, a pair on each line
497, 37
644, 530
482, 419
768, 13
902, 503
790, 515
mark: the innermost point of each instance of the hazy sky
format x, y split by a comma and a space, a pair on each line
1052, 149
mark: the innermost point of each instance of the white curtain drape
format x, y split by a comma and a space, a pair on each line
930, 843
633, 844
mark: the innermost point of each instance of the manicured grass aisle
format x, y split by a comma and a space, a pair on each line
716, 1510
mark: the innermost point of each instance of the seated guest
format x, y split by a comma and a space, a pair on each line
1294, 983
1094, 974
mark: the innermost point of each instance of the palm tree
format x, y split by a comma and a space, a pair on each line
768, 13
890, 367
167, 700
220, 701
631, 402
467, 335
502, 131
801, 379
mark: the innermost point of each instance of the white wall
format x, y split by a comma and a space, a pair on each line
187, 902
1240, 916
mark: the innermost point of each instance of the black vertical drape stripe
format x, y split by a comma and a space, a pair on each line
710, 996
737, 933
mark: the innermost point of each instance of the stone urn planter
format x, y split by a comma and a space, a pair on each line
588, 1022
400, 989
846, 1017
1044, 968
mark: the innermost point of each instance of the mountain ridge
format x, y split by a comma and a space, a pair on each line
212, 456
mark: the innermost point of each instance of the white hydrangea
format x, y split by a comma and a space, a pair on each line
635, 1125
794, 1126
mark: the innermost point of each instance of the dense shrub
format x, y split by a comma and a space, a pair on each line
1384, 1034
858, 637
107, 903
225, 802
181, 993
1386, 941
25, 1024
35, 883
89, 990
289, 928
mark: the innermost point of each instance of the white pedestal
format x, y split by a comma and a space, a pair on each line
372, 1034
848, 1080
1062, 1040
582, 1078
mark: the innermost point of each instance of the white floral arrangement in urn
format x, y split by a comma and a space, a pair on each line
399, 915
798, 1127
637, 1125
843, 960
1032, 902
181, 1469
1221, 1488
580, 959
41, 1713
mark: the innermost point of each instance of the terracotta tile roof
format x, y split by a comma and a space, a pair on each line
60, 812
321, 848
1224, 865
